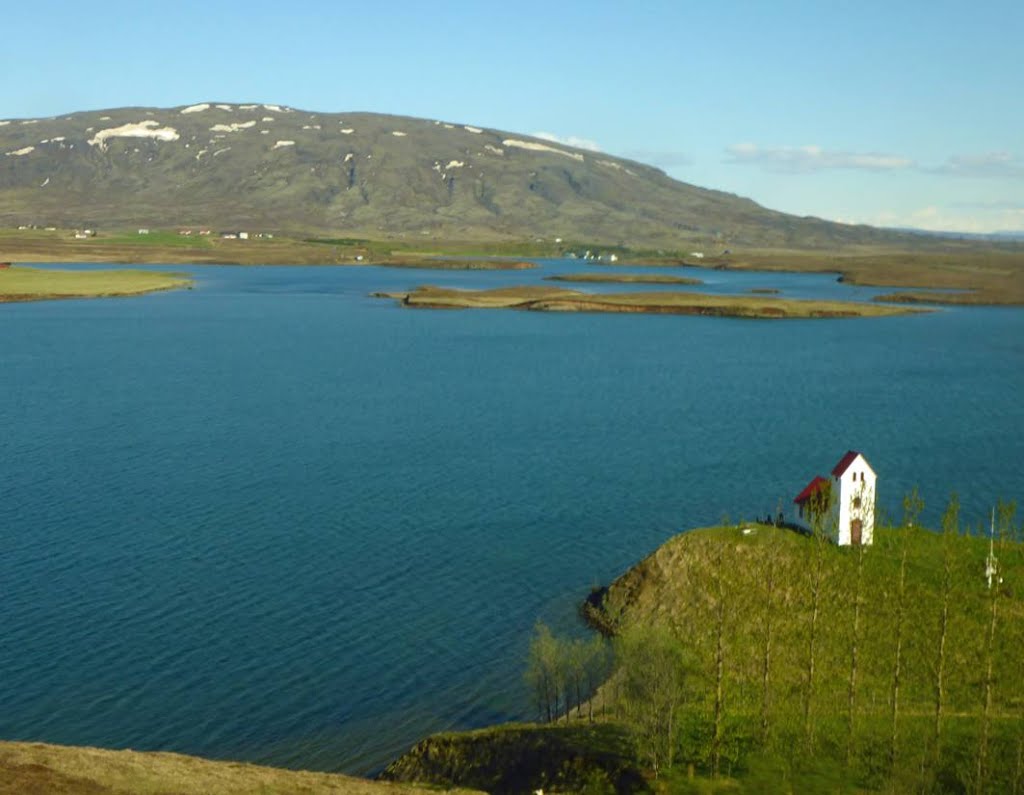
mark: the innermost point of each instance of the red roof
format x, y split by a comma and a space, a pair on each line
811, 489
844, 463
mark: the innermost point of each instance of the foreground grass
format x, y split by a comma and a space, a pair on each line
554, 299
36, 284
63, 770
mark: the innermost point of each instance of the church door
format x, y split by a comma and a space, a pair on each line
855, 531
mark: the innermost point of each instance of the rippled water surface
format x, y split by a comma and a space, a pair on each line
274, 519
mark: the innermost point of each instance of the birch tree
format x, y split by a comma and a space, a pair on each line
653, 669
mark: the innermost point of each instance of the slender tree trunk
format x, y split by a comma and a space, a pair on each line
811, 643
766, 658
950, 529
986, 715
898, 659
851, 707
716, 738
1018, 775
940, 663
670, 744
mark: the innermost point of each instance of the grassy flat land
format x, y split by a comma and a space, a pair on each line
30, 768
38, 284
624, 278
992, 274
556, 299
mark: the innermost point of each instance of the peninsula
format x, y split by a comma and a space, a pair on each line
39, 284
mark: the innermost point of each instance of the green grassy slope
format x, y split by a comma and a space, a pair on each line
899, 676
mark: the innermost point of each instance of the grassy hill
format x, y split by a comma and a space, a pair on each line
267, 167
894, 667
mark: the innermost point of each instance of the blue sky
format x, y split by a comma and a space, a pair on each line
896, 113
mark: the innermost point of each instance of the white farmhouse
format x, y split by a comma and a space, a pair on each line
854, 480
848, 499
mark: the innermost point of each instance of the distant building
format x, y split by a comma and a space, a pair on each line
846, 501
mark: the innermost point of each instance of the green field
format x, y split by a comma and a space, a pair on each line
155, 238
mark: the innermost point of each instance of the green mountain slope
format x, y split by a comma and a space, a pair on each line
272, 168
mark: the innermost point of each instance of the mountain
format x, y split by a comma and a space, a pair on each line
275, 168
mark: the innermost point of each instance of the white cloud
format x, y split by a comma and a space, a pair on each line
571, 140
807, 159
979, 218
986, 164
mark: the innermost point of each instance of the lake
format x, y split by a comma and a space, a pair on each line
276, 520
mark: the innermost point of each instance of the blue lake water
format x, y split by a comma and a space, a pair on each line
273, 519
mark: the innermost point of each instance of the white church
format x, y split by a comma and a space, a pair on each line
848, 498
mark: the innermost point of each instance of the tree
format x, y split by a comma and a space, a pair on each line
851, 705
654, 670
770, 574
719, 710
595, 668
814, 608
897, 664
545, 671
950, 530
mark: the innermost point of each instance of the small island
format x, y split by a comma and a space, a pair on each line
624, 278
556, 299
19, 284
